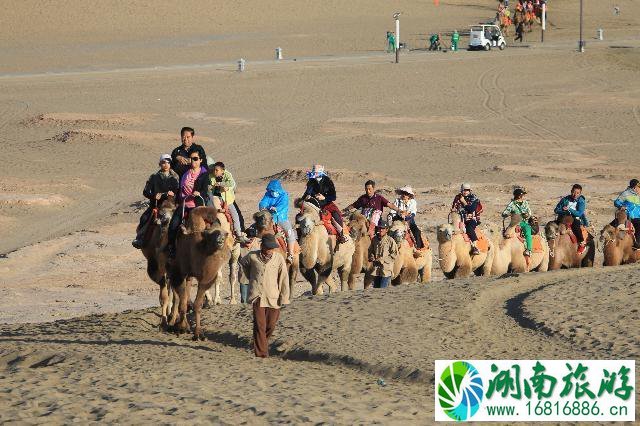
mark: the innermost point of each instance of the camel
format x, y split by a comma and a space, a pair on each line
509, 251
155, 253
563, 251
359, 231
263, 224
202, 249
408, 268
617, 243
234, 266
454, 253
319, 258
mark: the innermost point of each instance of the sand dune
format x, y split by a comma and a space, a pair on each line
334, 353
94, 91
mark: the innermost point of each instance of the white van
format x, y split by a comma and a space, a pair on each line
485, 37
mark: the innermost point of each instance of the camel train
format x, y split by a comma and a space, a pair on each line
205, 245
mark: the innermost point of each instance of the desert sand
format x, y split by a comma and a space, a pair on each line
92, 92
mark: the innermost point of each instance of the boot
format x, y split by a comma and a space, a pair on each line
474, 250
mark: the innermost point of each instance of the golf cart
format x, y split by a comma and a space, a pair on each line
486, 36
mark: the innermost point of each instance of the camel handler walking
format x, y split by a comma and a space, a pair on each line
371, 205
160, 185
521, 206
268, 291
382, 254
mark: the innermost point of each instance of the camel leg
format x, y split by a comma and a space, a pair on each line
331, 281
344, 278
293, 274
164, 303
216, 289
198, 332
182, 326
464, 271
175, 302
234, 270
351, 280
368, 281
312, 276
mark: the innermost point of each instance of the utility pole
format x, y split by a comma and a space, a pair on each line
396, 16
581, 42
544, 22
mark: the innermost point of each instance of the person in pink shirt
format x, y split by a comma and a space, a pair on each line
188, 198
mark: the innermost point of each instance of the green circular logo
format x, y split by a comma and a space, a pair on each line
460, 391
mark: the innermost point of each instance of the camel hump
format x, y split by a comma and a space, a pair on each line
202, 218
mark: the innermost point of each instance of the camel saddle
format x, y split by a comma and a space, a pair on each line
279, 233
572, 236
408, 236
227, 214
536, 240
482, 244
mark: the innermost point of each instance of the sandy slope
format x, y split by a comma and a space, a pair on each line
119, 368
92, 92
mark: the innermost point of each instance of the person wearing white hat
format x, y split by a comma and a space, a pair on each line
407, 209
160, 185
469, 207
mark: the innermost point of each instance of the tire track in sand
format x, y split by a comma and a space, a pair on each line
491, 87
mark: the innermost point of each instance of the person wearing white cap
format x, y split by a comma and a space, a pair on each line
160, 185
469, 207
407, 208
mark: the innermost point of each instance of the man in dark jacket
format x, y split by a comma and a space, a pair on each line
160, 185
180, 161
321, 188
574, 205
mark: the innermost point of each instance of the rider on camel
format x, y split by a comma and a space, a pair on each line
161, 185
321, 188
469, 207
574, 205
521, 207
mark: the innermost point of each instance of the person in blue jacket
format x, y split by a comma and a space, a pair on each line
574, 205
629, 200
276, 201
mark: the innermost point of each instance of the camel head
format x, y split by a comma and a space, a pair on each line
213, 240
445, 232
263, 220
308, 219
608, 234
165, 211
398, 231
551, 230
358, 225
621, 216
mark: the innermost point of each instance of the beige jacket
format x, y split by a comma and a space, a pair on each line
384, 251
268, 281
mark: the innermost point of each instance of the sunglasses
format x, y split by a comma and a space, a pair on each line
195, 158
